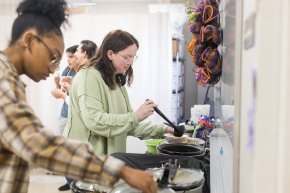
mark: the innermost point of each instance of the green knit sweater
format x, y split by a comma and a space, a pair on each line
102, 116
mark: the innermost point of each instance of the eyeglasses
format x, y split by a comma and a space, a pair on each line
129, 59
54, 63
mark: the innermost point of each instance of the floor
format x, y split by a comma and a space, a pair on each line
43, 182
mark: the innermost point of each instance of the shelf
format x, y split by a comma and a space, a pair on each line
178, 91
179, 59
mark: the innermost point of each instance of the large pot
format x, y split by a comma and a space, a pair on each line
181, 149
184, 180
81, 187
120, 187
125, 188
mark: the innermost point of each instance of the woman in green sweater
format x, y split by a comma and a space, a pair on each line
100, 110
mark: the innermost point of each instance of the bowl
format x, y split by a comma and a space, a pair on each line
152, 145
170, 138
195, 141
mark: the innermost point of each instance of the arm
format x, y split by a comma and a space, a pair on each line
22, 133
147, 130
139, 180
92, 100
56, 81
59, 94
108, 124
102, 123
57, 78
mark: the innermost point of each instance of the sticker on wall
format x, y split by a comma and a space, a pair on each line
251, 115
249, 33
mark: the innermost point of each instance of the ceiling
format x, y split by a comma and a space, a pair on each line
13, 2
85, 6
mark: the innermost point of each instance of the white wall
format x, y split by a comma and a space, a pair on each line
265, 167
249, 64
132, 17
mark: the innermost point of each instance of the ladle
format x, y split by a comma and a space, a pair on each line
178, 130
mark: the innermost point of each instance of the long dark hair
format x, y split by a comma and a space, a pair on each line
43, 15
116, 41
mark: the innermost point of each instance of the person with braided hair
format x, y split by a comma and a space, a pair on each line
35, 49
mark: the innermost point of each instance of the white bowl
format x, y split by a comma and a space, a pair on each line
195, 141
170, 138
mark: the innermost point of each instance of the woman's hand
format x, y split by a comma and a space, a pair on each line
170, 130
139, 179
65, 86
145, 110
58, 94
57, 80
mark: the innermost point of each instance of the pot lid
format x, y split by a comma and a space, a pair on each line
185, 179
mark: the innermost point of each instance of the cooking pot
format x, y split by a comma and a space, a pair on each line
170, 138
120, 187
184, 179
181, 149
125, 188
81, 187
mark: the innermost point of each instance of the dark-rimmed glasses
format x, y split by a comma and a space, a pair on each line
54, 63
129, 59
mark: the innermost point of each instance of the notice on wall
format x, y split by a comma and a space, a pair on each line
249, 32
249, 66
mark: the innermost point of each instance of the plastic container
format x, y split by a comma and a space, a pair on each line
152, 145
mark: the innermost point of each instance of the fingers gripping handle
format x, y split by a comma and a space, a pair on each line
178, 130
